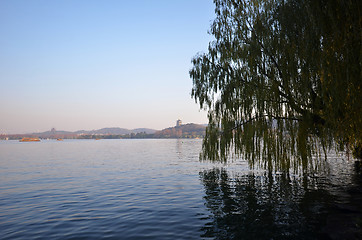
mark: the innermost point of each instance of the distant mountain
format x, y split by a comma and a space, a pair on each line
106, 131
189, 130
103, 131
146, 130
118, 131
51, 133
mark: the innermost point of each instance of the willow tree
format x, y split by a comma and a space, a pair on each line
281, 81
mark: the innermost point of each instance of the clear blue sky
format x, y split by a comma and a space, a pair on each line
73, 64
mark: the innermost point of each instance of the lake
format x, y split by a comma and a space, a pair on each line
158, 189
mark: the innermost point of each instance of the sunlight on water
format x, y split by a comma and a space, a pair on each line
158, 189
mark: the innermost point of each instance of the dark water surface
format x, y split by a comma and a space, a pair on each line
158, 189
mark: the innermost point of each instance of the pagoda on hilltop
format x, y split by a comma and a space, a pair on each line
178, 123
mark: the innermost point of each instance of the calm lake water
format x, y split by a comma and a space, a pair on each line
158, 189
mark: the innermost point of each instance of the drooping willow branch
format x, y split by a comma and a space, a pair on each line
240, 124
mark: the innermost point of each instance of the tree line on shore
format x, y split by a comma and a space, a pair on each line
184, 131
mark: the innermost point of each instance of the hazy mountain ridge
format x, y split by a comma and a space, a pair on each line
189, 130
102, 131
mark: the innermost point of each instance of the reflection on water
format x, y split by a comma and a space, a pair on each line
280, 206
158, 189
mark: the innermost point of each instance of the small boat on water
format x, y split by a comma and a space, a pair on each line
29, 140
59, 139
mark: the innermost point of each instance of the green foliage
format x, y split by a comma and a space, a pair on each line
281, 80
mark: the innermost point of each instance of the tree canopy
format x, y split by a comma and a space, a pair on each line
281, 80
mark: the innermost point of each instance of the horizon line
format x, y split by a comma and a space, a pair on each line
35, 132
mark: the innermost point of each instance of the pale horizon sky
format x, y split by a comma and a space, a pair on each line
90, 64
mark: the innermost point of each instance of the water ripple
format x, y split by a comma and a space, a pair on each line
153, 189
